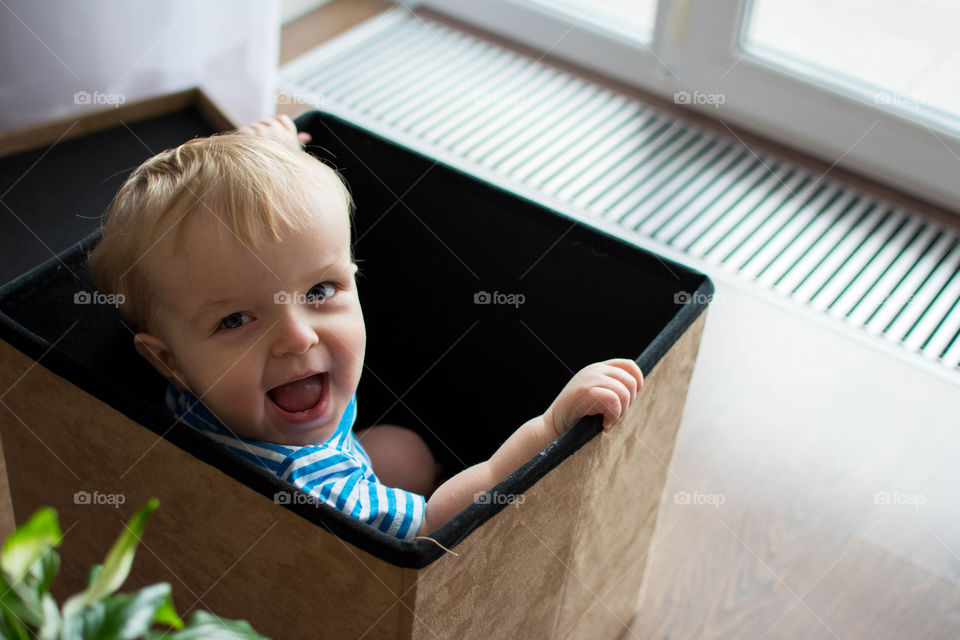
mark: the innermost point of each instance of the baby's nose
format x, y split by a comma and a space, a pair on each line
293, 334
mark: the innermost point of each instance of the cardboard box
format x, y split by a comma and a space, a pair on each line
453, 352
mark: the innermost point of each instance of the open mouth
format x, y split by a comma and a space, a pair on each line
301, 396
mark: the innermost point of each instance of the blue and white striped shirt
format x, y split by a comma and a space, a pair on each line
337, 471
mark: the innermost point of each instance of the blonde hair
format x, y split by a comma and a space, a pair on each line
258, 187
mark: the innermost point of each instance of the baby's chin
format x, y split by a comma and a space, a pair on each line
291, 435
278, 428
305, 436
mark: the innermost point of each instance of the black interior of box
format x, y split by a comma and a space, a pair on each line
54, 195
430, 240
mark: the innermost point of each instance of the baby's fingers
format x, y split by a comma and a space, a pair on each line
607, 402
630, 368
629, 377
623, 378
285, 121
280, 128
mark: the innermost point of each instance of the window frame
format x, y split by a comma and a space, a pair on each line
550, 31
695, 48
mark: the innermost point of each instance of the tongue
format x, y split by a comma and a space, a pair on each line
300, 395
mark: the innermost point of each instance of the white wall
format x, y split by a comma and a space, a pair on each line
62, 57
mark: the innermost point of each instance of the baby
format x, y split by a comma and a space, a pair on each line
234, 258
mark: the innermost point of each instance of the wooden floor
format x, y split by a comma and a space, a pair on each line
813, 489
812, 492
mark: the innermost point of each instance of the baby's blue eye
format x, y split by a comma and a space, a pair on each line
320, 292
234, 320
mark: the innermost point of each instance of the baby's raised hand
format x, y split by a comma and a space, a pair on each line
280, 129
606, 388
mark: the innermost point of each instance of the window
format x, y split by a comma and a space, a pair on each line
906, 59
613, 37
633, 18
866, 84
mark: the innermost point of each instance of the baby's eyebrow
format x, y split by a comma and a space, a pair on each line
205, 308
334, 265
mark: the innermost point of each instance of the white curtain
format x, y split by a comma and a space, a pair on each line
63, 57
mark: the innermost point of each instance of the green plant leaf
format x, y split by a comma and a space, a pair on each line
206, 626
6, 630
22, 602
29, 542
10, 625
92, 621
116, 566
94, 572
44, 570
29, 612
124, 616
72, 628
167, 614
50, 629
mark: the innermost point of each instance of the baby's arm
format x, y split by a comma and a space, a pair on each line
605, 387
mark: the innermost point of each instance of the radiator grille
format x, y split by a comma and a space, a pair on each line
551, 135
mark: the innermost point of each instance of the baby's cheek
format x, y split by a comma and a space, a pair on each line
353, 345
246, 403
237, 402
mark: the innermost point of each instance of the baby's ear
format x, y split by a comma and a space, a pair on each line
160, 357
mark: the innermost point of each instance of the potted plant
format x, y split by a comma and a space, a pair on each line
28, 611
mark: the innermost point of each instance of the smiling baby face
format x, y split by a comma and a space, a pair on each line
271, 339
248, 299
